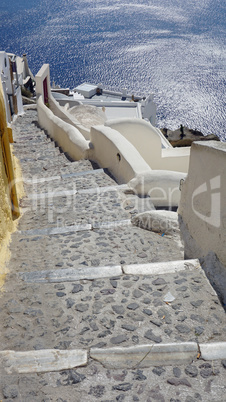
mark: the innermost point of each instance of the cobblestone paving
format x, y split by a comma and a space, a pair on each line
119, 311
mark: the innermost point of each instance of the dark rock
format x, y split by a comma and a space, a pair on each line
99, 345
206, 372
199, 330
59, 286
158, 370
180, 281
197, 318
107, 291
183, 329
94, 326
182, 318
139, 376
137, 293
133, 306
191, 370
118, 339
97, 391
81, 307
72, 377
85, 329
10, 391
146, 300
145, 287
159, 281
158, 323
104, 333
179, 381
95, 263
135, 339
70, 302
120, 398
113, 283
32, 312
128, 327
223, 362
120, 377
77, 288
147, 311
177, 372
118, 309
155, 394
142, 255
97, 307
149, 335
63, 345
122, 387
196, 303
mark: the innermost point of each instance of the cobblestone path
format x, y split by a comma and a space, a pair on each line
104, 310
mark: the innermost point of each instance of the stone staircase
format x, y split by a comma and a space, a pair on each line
94, 308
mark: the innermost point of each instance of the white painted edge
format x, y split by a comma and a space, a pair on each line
41, 180
82, 173
161, 267
70, 274
125, 222
55, 230
51, 194
40, 361
146, 355
103, 189
213, 351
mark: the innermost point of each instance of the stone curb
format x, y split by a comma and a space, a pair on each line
160, 267
40, 361
76, 274
132, 357
70, 274
213, 351
52, 194
144, 356
55, 230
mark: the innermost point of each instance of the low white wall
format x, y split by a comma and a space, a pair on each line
68, 137
111, 150
148, 141
57, 110
203, 208
67, 117
162, 186
176, 159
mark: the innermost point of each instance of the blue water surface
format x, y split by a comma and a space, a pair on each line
173, 49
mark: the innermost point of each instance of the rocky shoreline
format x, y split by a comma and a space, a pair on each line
184, 136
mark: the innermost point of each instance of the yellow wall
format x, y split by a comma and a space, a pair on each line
7, 220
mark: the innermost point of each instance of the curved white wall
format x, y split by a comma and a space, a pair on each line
111, 150
148, 141
68, 137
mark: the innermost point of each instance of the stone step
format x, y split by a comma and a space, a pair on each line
103, 308
52, 209
102, 246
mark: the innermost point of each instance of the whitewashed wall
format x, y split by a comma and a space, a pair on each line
203, 209
149, 142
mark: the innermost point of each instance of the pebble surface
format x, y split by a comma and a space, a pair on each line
118, 311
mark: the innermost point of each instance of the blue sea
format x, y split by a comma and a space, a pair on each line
173, 49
